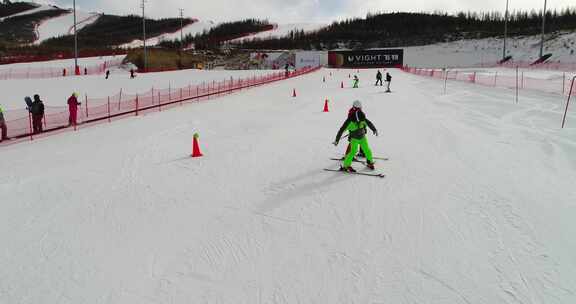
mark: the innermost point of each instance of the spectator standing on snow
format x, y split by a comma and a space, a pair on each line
37, 111
378, 78
73, 109
388, 81
3, 126
356, 126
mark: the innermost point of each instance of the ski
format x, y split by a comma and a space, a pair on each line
358, 173
361, 161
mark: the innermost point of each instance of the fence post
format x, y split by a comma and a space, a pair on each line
495, 78
136, 104
522, 84
120, 99
516, 84
568, 101
159, 103
169, 92
445, 81
108, 108
180, 96
86, 105
152, 95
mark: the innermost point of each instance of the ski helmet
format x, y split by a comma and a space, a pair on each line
357, 104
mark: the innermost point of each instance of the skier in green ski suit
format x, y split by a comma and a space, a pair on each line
356, 125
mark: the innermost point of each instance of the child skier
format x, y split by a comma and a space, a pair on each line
356, 82
388, 81
356, 125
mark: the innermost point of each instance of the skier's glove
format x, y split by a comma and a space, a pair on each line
335, 143
376, 132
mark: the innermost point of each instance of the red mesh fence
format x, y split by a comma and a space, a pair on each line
559, 85
53, 72
100, 109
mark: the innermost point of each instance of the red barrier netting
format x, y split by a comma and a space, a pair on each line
101, 109
53, 72
559, 85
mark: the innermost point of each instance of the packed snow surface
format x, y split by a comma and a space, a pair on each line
477, 206
197, 27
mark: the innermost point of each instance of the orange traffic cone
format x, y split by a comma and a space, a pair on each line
342, 85
294, 93
196, 147
326, 106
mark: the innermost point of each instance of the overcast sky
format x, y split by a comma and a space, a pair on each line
288, 11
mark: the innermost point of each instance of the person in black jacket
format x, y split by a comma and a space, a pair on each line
378, 78
37, 111
3, 126
388, 81
356, 125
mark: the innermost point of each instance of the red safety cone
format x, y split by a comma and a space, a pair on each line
196, 147
342, 85
294, 93
326, 106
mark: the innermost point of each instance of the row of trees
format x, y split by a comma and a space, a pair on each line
213, 38
407, 29
110, 30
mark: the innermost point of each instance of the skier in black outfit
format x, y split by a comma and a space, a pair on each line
388, 81
37, 111
378, 78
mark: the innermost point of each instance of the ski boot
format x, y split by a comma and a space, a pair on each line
347, 169
370, 165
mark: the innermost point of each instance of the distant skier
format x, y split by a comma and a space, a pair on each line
85, 71
388, 81
378, 78
73, 109
37, 111
355, 82
107, 74
132, 76
356, 125
287, 70
3, 126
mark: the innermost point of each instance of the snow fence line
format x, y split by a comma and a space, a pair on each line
108, 108
54, 72
519, 81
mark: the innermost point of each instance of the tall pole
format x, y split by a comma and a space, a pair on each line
75, 41
543, 30
144, 34
182, 28
505, 31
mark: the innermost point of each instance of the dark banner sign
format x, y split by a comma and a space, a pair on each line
366, 59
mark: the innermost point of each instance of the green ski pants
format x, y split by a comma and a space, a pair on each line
354, 145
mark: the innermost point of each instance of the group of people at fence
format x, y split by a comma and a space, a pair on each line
36, 109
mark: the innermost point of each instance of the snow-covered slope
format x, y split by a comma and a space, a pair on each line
282, 30
481, 51
64, 25
478, 204
192, 29
40, 8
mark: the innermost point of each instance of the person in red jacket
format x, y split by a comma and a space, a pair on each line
73, 109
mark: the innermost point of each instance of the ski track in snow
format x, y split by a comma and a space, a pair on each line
477, 206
